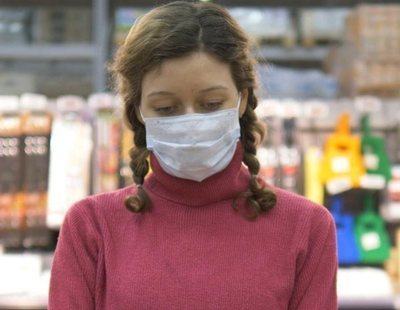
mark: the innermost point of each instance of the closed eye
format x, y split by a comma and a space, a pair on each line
165, 111
211, 106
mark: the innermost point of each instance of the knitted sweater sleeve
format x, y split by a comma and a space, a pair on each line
73, 273
315, 283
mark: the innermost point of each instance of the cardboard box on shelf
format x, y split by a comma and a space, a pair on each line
267, 25
63, 25
369, 61
374, 30
322, 25
14, 26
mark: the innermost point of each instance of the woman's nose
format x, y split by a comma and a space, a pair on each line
189, 110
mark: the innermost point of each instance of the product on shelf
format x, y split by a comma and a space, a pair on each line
348, 250
70, 156
63, 25
376, 160
342, 165
14, 26
11, 213
369, 61
313, 187
371, 234
391, 207
267, 112
266, 25
125, 171
107, 139
322, 25
267, 156
36, 128
290, 158
374, 29
281, 82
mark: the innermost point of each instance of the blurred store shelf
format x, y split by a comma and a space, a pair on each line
279, 53
13, 3
46, 52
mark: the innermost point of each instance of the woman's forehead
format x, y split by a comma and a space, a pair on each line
196, 71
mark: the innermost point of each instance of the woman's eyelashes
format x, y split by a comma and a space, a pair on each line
210, 106
179, 109
165, 110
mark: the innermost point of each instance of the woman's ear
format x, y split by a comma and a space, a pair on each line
243, 102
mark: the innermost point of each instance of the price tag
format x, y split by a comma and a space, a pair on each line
368, 104
394, 186
393, 211
396, 172
291, 108
268, 108
371, 161
340, 164
70, 103
372, 181
370, 241
394, 190
338, 185
316, 109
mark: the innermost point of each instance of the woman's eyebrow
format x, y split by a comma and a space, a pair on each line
167, 93
160, 93
213, 88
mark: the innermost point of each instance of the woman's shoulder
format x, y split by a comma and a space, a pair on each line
303, 220
98, 207
299, 208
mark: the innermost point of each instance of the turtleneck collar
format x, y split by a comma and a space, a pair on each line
223, 185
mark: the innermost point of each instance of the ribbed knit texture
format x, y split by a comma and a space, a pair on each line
193, 251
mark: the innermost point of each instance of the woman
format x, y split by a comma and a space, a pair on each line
200, 231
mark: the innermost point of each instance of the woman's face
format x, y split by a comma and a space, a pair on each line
197, 83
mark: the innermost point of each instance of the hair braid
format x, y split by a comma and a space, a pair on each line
139, 164
258, 197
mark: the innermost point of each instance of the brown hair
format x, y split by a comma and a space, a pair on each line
174, 30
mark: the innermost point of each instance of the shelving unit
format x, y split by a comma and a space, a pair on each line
96, 51
298, 53
100, 49
48, 52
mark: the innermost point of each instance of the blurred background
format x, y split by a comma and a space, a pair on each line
329, 96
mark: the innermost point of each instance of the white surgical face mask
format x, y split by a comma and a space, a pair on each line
194, 146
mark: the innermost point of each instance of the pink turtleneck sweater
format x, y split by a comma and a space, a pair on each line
193, 251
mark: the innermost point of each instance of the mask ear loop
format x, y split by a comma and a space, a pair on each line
141, 115
239, 100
